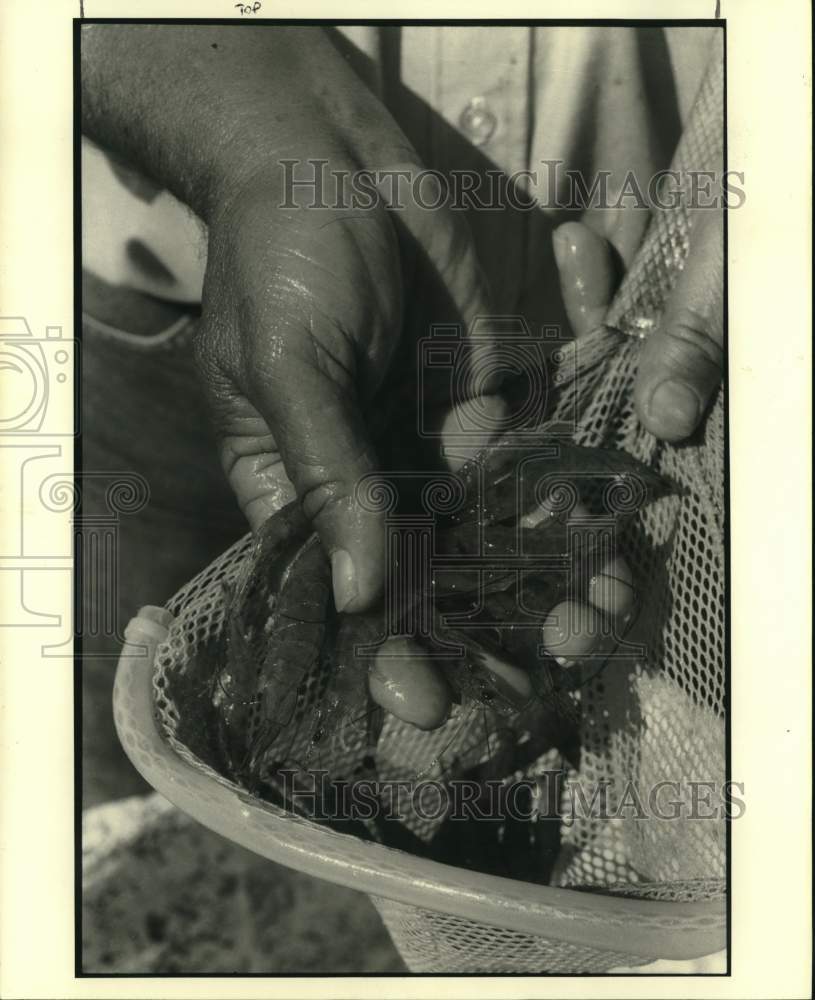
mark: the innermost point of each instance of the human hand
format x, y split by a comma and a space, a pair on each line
302, 307
302, 311
407, 681
681, 362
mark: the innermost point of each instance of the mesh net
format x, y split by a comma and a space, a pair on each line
654, 716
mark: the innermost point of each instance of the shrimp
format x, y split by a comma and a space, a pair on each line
275, 622
508, 480
297, 685
296, 629
349, 721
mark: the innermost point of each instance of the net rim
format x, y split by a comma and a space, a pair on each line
642, 927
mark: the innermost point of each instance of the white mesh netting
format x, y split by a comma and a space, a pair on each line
656, 716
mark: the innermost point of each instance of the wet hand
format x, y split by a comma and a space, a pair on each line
681, 362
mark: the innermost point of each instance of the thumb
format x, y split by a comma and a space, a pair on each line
324, 447
681, 362
298, 432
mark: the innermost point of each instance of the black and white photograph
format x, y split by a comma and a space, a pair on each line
436, 312
402, 498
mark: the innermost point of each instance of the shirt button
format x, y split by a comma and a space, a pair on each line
477, 121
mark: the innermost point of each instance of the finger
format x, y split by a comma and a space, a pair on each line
571, 632
255, 472
439, 235
249, 456
623, 227
291, 421
513, 682
438, 246
469, 427
548, 511
612, 589
326, 452
405, 682
682, 361
587, 278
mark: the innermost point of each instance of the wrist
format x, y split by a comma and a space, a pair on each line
205, 110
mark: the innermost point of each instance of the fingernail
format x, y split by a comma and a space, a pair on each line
343, 579
675, 407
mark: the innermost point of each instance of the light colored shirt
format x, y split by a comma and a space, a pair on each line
469, 98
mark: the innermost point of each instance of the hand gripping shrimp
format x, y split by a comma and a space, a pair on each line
303, 685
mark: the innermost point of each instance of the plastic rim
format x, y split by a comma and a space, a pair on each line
648, 928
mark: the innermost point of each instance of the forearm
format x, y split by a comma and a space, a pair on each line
200, 108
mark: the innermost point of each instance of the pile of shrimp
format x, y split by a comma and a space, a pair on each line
529, 596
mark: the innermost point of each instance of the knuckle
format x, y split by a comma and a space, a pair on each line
690, 343
325, 498
217, 386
